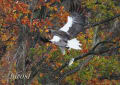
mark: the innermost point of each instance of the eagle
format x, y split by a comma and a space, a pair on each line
65, 37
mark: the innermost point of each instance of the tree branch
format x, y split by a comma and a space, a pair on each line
91, 52
104, 21
81, 65
36, 71
88, 26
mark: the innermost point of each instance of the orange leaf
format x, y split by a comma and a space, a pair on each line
41, 74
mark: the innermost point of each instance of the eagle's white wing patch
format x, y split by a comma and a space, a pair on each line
55, 39
69, 23
74, 44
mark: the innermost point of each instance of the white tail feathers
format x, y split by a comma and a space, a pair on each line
74, 44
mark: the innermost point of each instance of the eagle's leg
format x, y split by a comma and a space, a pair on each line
62, 50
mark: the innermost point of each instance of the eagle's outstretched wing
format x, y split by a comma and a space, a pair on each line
65, 36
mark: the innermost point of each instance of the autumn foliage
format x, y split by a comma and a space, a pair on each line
24, 24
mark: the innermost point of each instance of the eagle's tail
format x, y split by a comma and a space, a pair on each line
74, 44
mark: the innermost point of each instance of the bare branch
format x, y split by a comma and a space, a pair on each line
102, 22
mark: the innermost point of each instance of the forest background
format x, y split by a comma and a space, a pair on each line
25, 46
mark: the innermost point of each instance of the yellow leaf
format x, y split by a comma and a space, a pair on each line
4, 37
46, 30
3, 81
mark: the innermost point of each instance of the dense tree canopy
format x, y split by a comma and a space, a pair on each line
28, 57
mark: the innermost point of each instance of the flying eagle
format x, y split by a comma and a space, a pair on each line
65, 37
